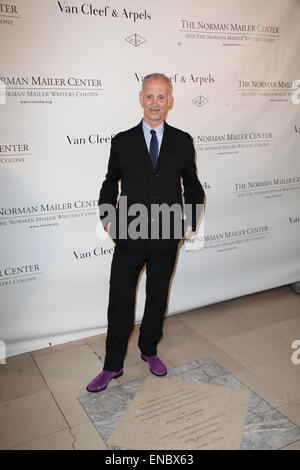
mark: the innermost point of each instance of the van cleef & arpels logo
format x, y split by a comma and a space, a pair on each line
135, 40
184, 78
90, 9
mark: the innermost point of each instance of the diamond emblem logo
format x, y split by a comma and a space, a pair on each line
135, 40
200, 101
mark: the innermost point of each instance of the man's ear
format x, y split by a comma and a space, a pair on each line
170, 101
141, 97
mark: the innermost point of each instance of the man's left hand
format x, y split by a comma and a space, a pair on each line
188, 232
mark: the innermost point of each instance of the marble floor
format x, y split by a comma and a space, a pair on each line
249, 338
264, 428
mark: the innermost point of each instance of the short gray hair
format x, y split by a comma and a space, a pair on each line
158, 75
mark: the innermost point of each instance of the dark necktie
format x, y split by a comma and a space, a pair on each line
153, 148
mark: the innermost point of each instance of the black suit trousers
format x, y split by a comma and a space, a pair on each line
126, 266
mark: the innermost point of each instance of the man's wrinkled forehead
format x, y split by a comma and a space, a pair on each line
155, 84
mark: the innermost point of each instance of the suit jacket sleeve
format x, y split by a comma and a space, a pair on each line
110, 186
193, 191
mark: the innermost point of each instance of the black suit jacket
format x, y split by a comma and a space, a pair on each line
130, 162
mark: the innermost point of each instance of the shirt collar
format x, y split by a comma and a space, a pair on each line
159, 129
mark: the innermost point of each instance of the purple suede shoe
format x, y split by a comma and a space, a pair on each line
155, 364
102, 380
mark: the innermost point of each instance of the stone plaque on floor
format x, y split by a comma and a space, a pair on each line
176, 414
198, 405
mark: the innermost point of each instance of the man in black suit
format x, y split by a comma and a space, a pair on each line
150, 159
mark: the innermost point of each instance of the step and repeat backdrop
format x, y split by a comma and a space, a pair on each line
70, 75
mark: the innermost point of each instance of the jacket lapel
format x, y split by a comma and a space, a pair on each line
166, 150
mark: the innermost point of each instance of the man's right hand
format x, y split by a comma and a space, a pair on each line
106, 228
